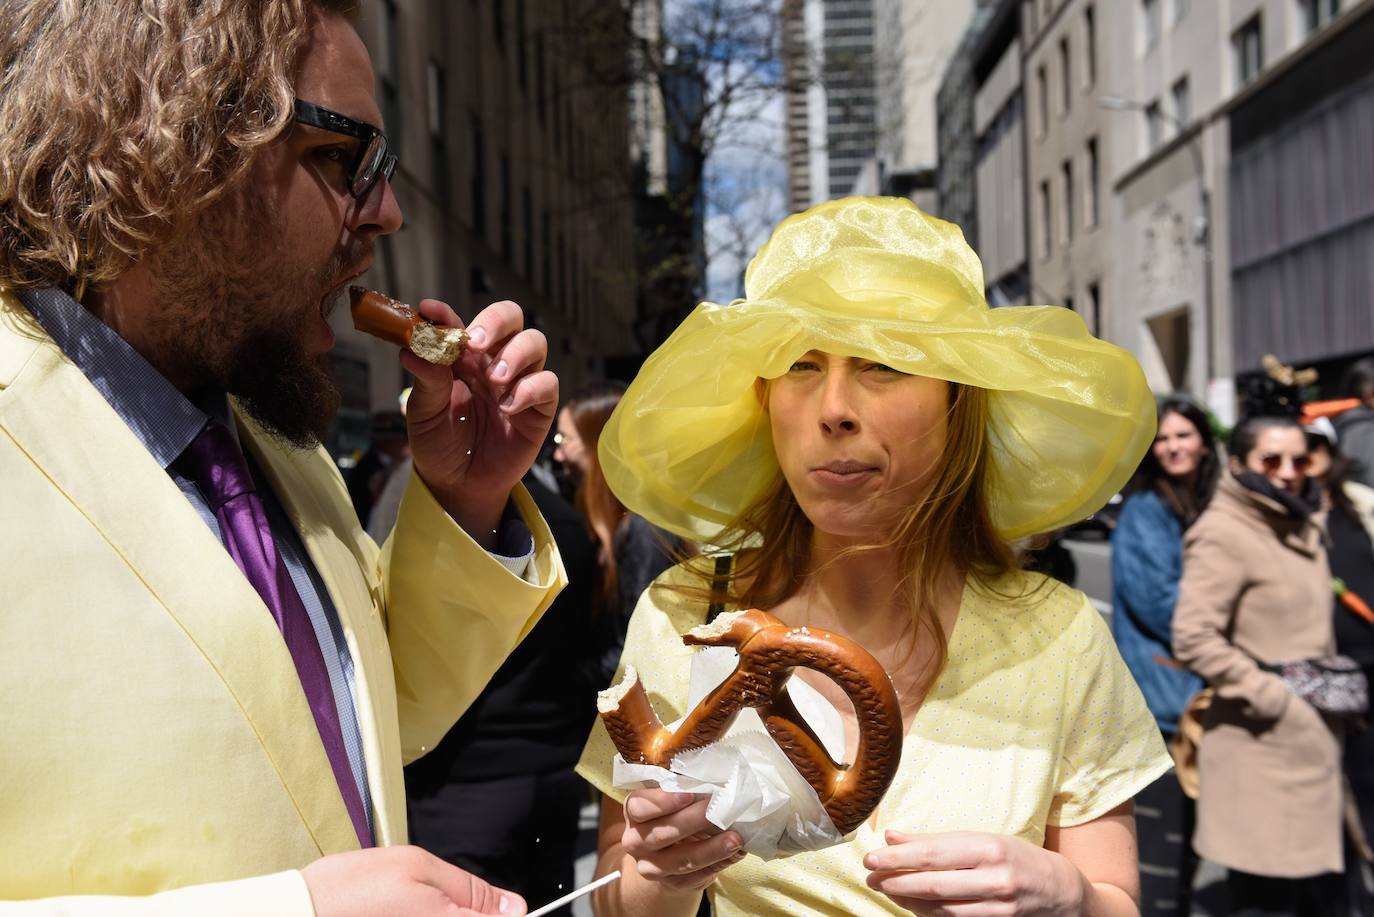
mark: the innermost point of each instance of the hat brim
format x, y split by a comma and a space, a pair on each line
689, 446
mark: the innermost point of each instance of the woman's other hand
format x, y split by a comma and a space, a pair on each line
671, 841
969, 873
1086, 869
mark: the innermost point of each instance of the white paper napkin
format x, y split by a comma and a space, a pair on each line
752, 785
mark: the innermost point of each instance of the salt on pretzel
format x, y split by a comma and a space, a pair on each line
381, 316
768, 652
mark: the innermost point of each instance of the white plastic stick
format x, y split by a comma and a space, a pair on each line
577, 893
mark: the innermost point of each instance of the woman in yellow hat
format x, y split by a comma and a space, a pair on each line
865, 439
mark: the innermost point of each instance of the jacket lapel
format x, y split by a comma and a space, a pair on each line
68, 429
317, 503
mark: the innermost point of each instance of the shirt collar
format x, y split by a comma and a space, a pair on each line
162, 418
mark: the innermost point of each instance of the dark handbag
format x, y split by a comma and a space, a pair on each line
1335, 685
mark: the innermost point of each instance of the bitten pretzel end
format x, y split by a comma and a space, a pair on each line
381, 316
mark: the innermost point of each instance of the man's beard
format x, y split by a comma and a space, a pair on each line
236, 315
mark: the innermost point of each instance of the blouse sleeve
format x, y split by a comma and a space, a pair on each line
1111, 748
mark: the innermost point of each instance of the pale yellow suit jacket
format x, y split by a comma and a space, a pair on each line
153, 731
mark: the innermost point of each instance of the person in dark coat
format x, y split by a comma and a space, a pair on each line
498, 796
1350, 527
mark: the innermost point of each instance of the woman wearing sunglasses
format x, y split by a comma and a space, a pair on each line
1257, 589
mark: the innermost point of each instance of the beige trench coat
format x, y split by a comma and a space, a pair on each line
1256, 585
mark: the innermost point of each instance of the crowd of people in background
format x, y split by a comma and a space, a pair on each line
1224, 559
1227, 570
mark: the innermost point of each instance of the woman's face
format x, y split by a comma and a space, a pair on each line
1280, 454
857, 441
569, 448
1178, 446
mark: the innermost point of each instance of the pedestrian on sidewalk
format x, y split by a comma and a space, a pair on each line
1256, 591
1169, 491
630, 552
1350, 527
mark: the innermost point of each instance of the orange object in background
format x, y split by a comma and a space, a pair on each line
1315, 409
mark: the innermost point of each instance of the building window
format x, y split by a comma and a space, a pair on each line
1046, 241
1180, 10
1248, 46
1068, 304
1154, 126
477, 176
540, 88
1151, 22
1042, 83
522, 58
1092, 211
1066, 170
1095, 308
1183, 102
1317, 13
503, 190
1066, 66
527, 217
438, 131
546, 246
1089, 46
388, 53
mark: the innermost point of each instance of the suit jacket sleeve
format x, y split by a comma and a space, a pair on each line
282, 894
453, 612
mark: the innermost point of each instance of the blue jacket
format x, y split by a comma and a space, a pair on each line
1147, 563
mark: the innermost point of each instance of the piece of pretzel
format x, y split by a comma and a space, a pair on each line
381, 316
768, 652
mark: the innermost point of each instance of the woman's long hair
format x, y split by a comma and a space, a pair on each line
1185, 500
589, 409
120, 121
950, 527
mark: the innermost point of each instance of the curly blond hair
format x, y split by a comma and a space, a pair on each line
122, 119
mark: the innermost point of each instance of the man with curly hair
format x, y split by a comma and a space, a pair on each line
209, 675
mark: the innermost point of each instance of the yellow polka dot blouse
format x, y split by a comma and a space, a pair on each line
1035, 721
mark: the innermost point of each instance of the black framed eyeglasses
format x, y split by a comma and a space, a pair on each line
374, 157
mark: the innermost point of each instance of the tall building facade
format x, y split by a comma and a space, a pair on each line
914, 41
999, 171
956, 140
831, 109
1069, 137
514, 178
1241, 212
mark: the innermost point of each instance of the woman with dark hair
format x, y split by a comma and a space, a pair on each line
631, 553
1256, 591
1168, 493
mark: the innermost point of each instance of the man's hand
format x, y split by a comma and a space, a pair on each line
401, 880
476, 427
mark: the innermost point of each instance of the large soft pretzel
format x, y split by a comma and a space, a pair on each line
768, 652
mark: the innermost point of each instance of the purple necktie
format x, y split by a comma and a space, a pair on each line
215, 463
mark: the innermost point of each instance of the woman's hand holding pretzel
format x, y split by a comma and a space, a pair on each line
671, 841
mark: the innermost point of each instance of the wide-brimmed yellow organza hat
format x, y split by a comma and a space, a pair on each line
689, 446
